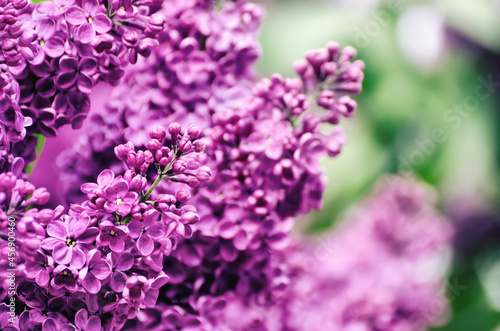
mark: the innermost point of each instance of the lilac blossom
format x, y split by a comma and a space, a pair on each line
90, 19
69, 240
95, 271
146, 232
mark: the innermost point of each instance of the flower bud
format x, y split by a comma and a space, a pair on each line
174, 129
158, 133
182, 195
193, 131
203, 174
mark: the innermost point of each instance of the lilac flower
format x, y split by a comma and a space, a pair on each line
118, 197
147, 232
84, 323
96, 270
40, 268
66, 277
68, 240
113, 236
90, 19
76, 71
119, 263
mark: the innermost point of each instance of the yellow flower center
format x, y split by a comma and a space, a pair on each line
42, 43
119, 201
90, 19
70, 242
65, 272
112, 232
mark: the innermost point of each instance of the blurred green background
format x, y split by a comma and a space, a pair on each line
430, 107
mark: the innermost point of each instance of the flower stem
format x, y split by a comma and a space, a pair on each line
151, 189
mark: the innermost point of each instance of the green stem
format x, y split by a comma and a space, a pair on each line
161, 175
39, 147
151, 189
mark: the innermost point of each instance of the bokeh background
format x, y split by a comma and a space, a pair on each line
430, 107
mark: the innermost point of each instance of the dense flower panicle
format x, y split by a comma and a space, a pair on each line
186, 79
263, 143
20, 220
111, 247
57, 51
337, 282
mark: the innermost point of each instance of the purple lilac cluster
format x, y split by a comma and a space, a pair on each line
204, 64
264, 147
376, 272
54, 53
100, 264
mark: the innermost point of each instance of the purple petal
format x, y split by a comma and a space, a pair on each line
78, 259
240, 241
274, 149
76, 16
54, 47
145, 244
88, 236
49, 325
278, 241
88, 66
227, 229
156, 231
90, 6
151, 218
45, 87
68, 64
86, 33
150, 297
124, 262
33, 268
160, 281
57, 229
118, 281
43, 278
62, 254
85, 84
65, 80
110, 206
228, 252
102, 24
117, 244
135, 228
91, 283
93, 324
81, 318
50, 243
105, 178
76, 226
101, 270
41, 70
89, 188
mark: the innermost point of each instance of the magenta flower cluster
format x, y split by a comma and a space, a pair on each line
54, 53
111, 247
189, 227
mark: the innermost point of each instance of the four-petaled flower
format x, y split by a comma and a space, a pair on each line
146, 231
96, 270
69, 239
119, 198
40, 268
76, 71
90, 19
